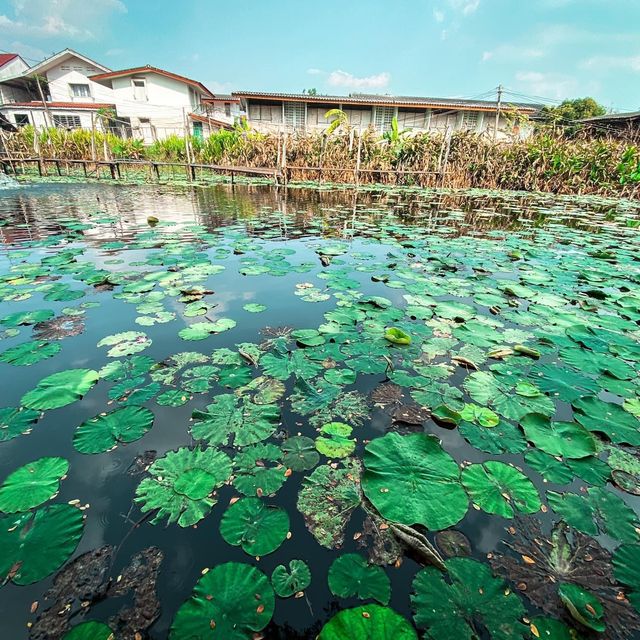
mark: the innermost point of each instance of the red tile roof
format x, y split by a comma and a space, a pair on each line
61, 105
7, 57
150, 69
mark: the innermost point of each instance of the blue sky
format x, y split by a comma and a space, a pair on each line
553, 49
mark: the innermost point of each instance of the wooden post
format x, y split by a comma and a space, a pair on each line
93, 137
357, 172
105, 149
44, 103
36, 148
113, 171
444, 155
186, 145
285, 176
58, 167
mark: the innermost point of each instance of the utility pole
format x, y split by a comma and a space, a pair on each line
498, 110
44, 103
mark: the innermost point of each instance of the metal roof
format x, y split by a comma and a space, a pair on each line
7, 57
149, 69
392, 101
613, 117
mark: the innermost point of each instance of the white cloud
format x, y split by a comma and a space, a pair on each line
610, 63
29, 53
64, 19
555, 86
344, 79
466, 7
511, 53
315, 72
438, 15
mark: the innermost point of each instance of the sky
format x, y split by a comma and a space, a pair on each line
543, 50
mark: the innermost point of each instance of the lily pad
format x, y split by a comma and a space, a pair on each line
182, 484
202, 330
106, 431
233, 601
259, 529
15, 422
368, 622
32, 484
334, 441
90, 631
29, 353
452, 611
397, 336
60, 389
291, 580
35, 544
568, 439
499, 488
350, 575
412, 480
299, 453
125, 343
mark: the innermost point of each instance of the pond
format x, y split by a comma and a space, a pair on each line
257, 413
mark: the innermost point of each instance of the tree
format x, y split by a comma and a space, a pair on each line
310, 92
339, 119
571, 110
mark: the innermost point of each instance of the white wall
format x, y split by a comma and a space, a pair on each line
13, 68
37, 117
166, 102
73, 70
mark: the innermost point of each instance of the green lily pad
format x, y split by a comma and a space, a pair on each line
233, 601
27, 317
288, 581
583, 606
35, 544
60, 389
299, 453
15, 422
29, 353
451, 610
568, 439
620, 426
334, 441
350, 575
259, 470
397, 336
228, 416
368, 622
182, 485
125, 343
499, 488
32, 484
597, 511
202, 330
259, 529
253, 307
106, 431
412, 480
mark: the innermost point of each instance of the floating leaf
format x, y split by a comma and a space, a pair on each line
296, 578
32, 484
299, 453
202, 330
326, 500
231, 602
90, 631
452, 610
16, 422
227, 416
125, 343
258, 470
182, 483
412, 480
35, 544
567, 439
60, 389
499, 488
106, 431
259, 529
29, 353
350, 575
368, 622
334, 441
583, 606
397, 336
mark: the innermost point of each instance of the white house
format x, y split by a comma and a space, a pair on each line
155, 103
11, 65
303, 112
70, 96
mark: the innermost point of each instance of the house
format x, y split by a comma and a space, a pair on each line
71, 91
154, 103
56, 92
11, 64
622, 125
303, 112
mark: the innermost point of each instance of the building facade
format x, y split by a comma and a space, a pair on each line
306, 113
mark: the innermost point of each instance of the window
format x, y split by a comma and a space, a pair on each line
295, 115
144, 120
469, 120
22, 119
382, 118
197, 130
227, 109
80, 90
67, 122
139, 89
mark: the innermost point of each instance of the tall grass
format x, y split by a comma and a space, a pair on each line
543, 162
